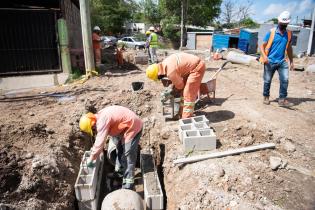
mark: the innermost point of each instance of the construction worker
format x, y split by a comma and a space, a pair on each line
153, 39
97, 45
276, 51
186, 72
119, 51
125, 128
147, 44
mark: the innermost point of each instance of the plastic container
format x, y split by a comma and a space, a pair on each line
137, 86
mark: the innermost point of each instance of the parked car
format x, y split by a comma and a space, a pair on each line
132, 42
109, 41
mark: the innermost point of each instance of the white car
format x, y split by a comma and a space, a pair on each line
132, 42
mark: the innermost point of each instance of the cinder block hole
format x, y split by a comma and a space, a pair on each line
205, 133
199, 119
186, 127
187, 121
191, 133
85, 180
86, 171
201, 125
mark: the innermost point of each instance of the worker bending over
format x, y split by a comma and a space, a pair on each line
125, 128
186, 72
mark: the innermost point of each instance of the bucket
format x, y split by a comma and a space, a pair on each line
137, 86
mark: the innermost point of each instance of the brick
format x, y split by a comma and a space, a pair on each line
199, 140
199, 119
153, 198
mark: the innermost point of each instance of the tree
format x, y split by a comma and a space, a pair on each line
274, 20
151, 12
198, 13
248, 23
244, 10
111, 15
228, 12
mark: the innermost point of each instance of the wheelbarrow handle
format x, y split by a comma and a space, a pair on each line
220, 69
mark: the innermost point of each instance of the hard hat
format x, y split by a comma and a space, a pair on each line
86, 123
152, 72
151, 28
96, 28
284, 17
147, 33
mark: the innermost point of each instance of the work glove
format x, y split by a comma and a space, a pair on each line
90, 163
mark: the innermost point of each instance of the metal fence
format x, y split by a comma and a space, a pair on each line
28, 42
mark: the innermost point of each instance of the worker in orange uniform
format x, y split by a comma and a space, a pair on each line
119, 55
125, 128
97, 45
186, 72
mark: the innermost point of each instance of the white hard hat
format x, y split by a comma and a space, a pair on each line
96, 28
284, 17
151, 28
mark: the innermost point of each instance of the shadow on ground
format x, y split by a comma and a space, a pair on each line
217, 116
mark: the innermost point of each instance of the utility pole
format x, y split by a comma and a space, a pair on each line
310, 40
184, 8
182, 26
87, 37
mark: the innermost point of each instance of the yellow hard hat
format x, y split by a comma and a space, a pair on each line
147, 33
86, 123
152, 72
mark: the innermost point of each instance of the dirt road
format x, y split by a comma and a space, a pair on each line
41, 146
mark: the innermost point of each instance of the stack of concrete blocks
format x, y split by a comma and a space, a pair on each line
87, 185
153, 200
196, 134
141, 58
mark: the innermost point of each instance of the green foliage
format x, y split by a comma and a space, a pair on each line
111, 15
199, 13
274, 20
171, 29
249, 23
75, 75
151, 12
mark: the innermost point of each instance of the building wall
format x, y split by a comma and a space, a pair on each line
71, 13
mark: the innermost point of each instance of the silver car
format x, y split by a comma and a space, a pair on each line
132, 42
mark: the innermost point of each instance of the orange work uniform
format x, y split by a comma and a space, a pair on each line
119, 56
186, 72
114, 121
97, 47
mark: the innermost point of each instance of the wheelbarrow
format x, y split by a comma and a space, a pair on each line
209, 87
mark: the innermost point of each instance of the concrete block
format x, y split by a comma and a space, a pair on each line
141, 59
183, 128
199, 119
87, 186
185, 121
199, 140
153, 194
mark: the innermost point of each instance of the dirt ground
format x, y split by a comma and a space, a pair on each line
41, 146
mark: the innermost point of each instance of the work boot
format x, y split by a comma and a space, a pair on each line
115, 175
266, 100
284, 103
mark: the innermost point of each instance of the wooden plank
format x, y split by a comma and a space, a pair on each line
225, 153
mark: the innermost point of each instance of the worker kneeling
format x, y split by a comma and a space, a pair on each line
125, 128
186, 72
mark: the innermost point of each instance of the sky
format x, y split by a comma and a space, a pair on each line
264, 10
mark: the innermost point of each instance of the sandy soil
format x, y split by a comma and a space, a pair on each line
41, 146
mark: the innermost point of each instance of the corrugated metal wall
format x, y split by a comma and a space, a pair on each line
28, 42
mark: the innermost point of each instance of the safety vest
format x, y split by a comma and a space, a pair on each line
154, 40
270, 41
